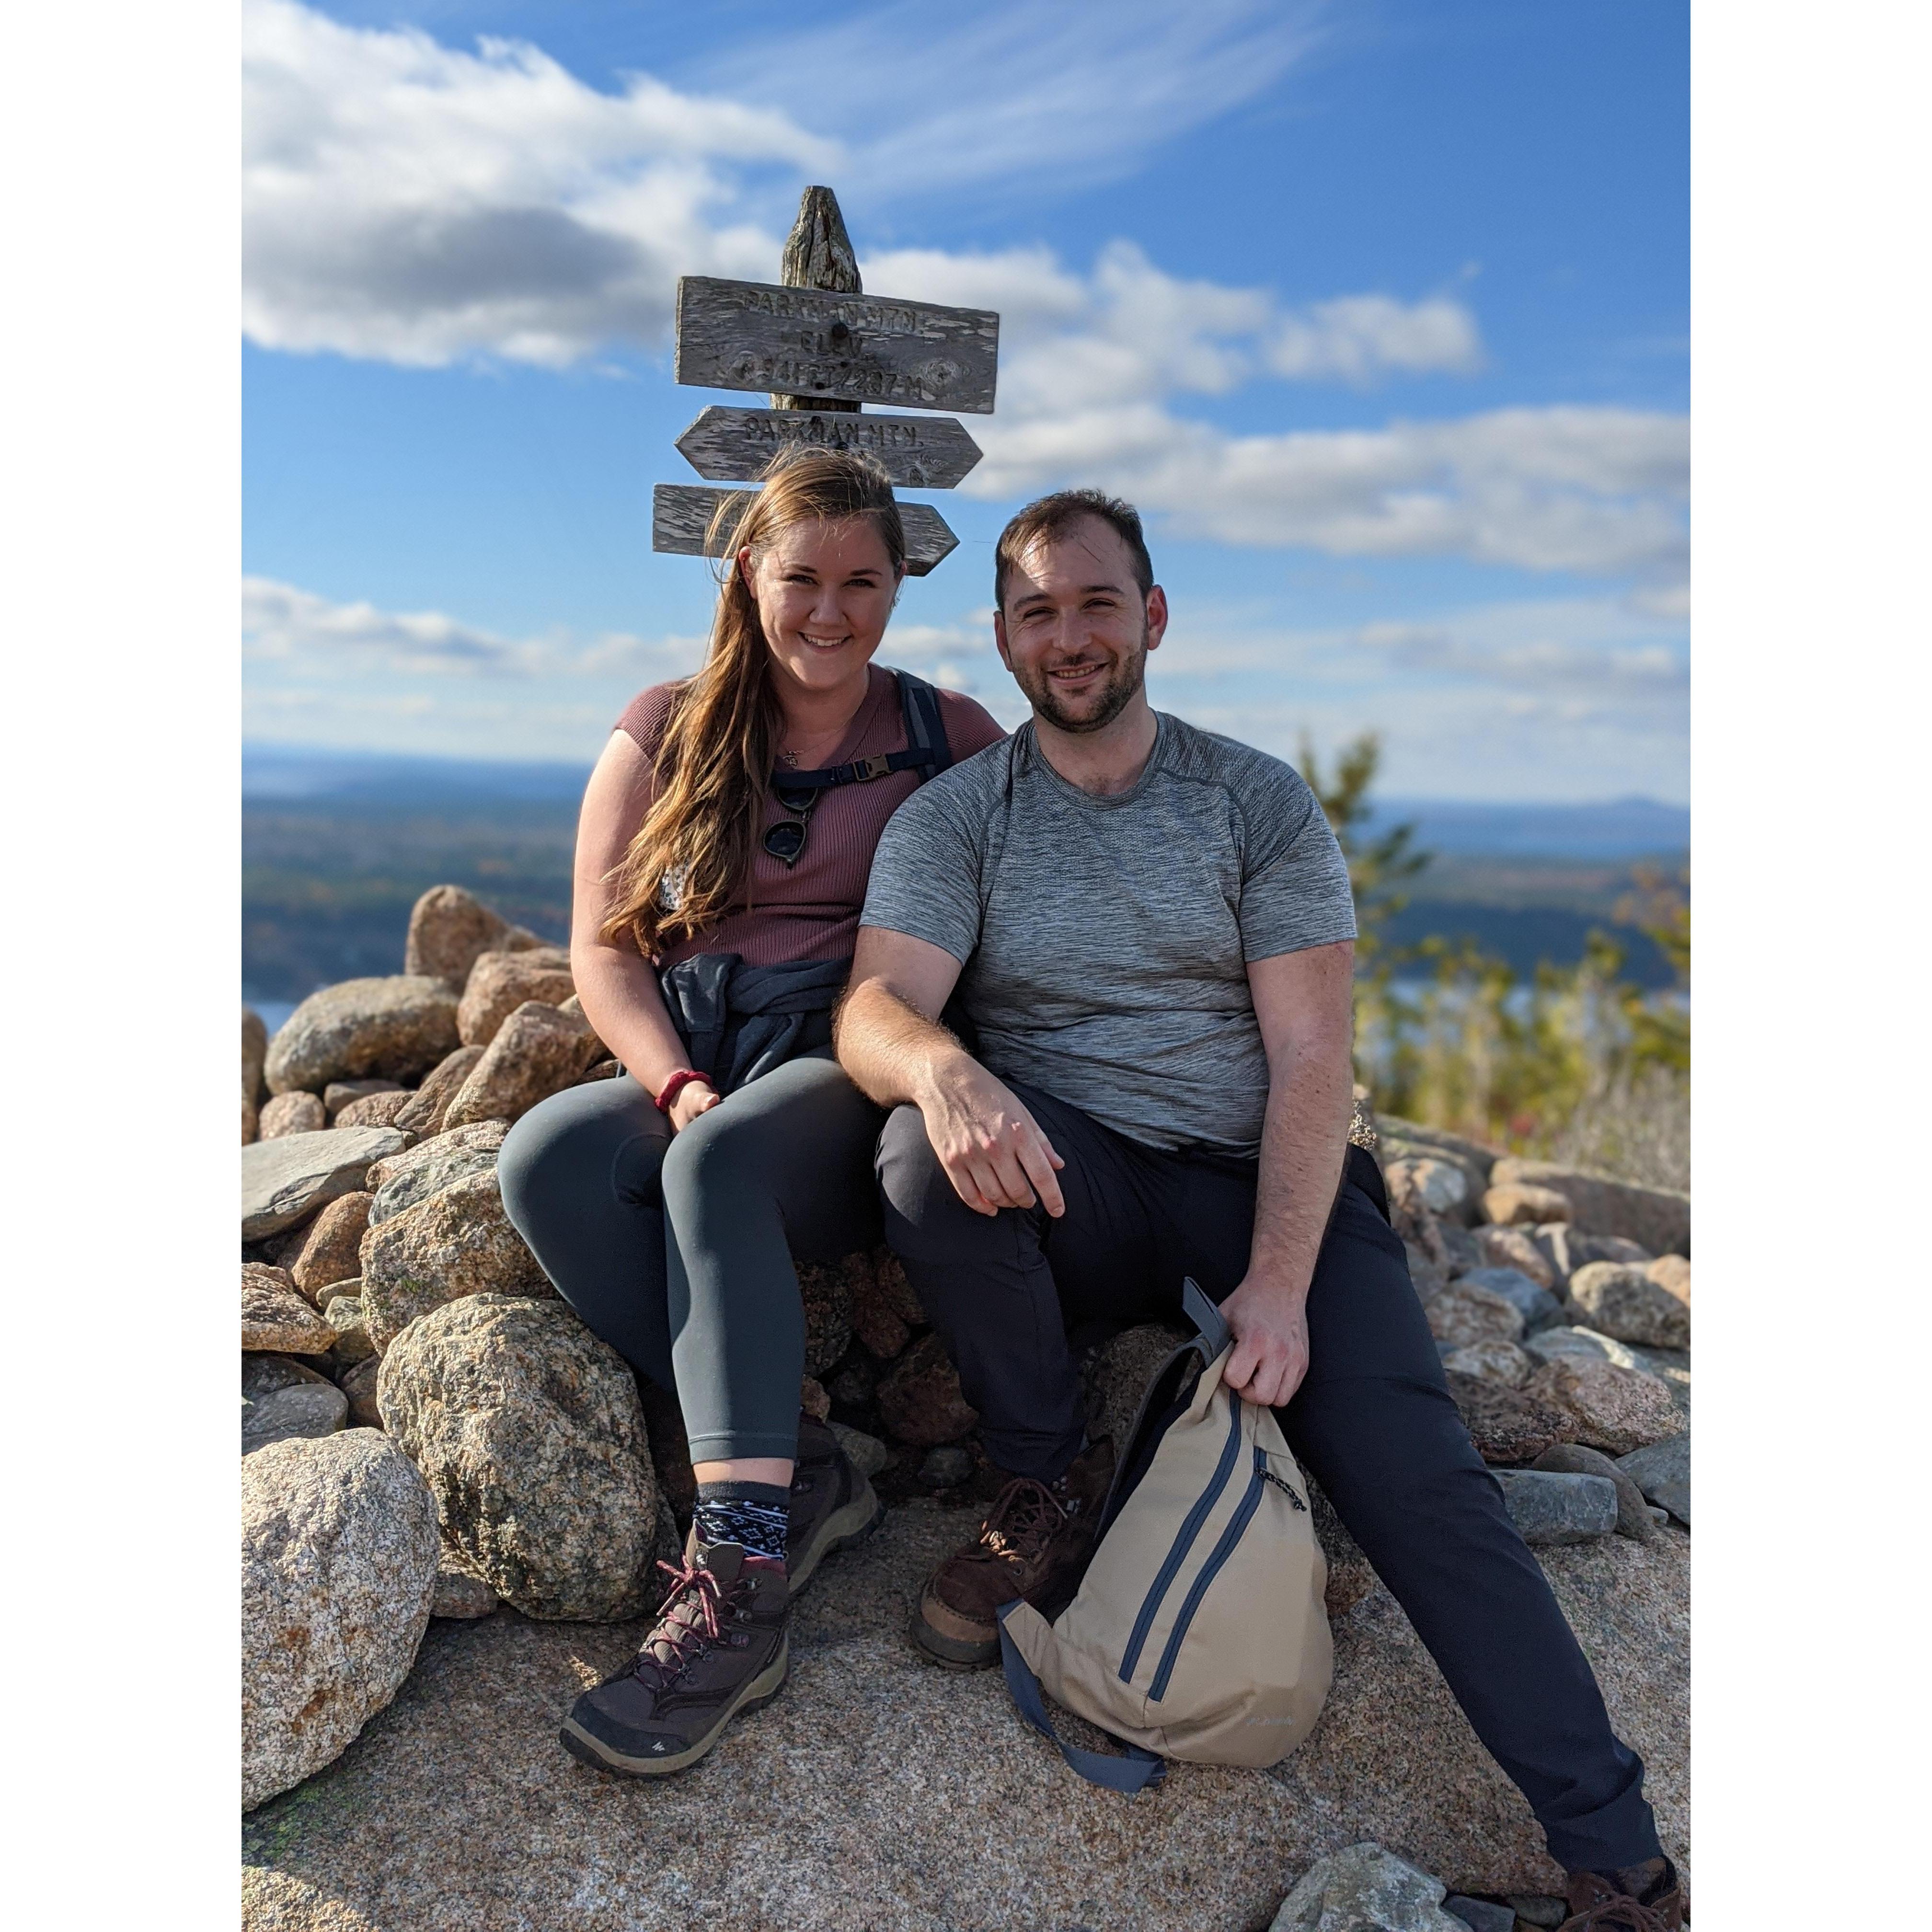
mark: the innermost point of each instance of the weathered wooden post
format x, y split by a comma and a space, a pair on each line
817, 255
819, 346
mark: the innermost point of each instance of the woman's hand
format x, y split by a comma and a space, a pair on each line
694, 1097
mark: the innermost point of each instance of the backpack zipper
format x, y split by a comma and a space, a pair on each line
1237, 1523
1183, 1542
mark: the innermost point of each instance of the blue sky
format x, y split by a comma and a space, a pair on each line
1380, 312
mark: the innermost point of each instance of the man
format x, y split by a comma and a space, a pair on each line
1150, 930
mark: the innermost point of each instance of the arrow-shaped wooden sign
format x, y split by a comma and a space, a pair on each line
859, 348
681, 515
819, 346
917, 452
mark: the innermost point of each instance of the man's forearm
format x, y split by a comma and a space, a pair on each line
890, 1052
1304, 1135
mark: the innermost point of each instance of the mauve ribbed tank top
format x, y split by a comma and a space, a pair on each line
811, 910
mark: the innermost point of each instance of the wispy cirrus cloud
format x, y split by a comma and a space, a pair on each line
1017, 96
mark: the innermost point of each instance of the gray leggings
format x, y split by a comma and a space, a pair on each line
677, 1249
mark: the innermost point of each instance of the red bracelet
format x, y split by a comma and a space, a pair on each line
676, 1085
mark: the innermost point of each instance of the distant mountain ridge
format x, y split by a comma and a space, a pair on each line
1623, 828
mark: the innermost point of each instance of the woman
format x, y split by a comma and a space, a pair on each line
722, 857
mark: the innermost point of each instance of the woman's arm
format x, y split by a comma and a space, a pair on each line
617, 985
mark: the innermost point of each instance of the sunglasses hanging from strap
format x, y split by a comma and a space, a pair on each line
799, 792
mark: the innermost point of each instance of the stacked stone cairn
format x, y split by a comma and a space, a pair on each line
427, 1431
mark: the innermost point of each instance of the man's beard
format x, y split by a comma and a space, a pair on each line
1116, 695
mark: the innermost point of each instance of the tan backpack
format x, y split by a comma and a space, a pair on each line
1199, 1631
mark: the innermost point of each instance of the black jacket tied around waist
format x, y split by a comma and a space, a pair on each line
739, 1022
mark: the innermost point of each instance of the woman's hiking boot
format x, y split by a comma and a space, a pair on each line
718, 1649
832, 1504
1035, 1543
1599, 1904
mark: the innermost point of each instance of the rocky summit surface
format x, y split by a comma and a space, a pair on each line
878, 1791
452, 1488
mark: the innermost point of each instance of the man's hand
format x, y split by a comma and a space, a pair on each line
892, 1045
990, 1147
694, 1097
1270, 1353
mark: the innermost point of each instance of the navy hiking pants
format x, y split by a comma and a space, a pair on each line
1372, 1422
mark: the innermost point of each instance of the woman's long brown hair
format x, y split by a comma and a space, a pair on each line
692, 859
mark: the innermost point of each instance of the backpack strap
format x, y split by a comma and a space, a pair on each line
1135, 1772
1206, 1317
924, 724
928, 751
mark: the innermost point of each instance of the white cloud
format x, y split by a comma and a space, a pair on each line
1359, 338
405, 201
1540, 698
409, 202
296, 631
1575, 698
1577, 659
281, 622
1090, 367
1547, 660
1128, 331
1600, 491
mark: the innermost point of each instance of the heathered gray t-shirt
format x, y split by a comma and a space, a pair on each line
1105, 940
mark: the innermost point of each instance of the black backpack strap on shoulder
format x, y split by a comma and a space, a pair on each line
927, 752
925, 725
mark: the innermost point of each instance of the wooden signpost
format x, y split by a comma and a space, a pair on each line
762, 335
681, 513
918, 452
820, 347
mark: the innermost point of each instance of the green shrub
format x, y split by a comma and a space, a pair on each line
1574, 1063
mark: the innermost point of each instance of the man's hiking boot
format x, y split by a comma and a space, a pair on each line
718, 1649
1597, 1905
832, 1504
1035, 1543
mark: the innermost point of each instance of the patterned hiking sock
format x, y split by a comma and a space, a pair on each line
755, 1515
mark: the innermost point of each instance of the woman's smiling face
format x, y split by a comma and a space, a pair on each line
824, 592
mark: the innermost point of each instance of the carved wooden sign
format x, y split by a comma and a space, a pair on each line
860, 348
917, 452
821, 348
681, 515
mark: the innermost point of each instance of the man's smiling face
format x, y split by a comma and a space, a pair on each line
1074, 629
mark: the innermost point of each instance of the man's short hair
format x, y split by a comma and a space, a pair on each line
1054, 516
